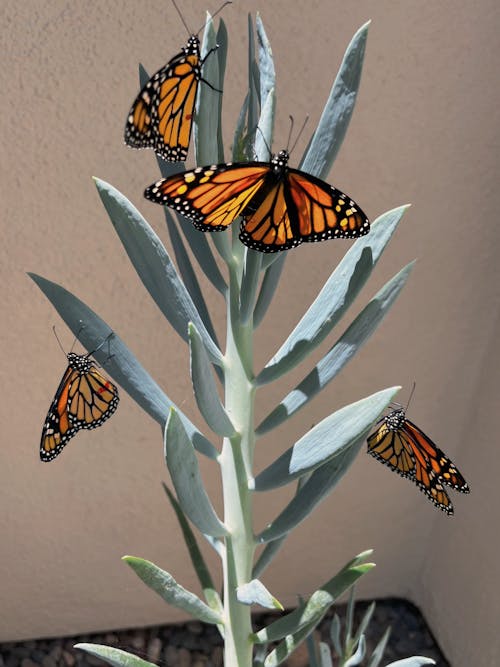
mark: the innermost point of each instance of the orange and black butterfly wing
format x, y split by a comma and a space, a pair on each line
393, 449
296, 207
84, 399
436, 460
161, 116
396, 449
212, 197
58, 429
92, 399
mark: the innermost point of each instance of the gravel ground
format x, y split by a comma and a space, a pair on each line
196, 645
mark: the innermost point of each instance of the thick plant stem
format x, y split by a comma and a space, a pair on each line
236, 461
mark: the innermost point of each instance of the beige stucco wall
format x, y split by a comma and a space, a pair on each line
424, 131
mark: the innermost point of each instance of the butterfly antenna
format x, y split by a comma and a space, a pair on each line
57, 338
182, 18
228, 2
82, 326
411, 396
265, 140
299, 134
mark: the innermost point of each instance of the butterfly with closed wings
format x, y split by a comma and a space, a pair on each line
281, 207
84, 399
401, 445
161, 116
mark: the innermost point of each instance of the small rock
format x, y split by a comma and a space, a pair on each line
28, 662
170, 656
154, 649
69, 658
183, 658
195, 627
217, 656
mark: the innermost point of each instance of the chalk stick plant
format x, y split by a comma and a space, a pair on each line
247, 281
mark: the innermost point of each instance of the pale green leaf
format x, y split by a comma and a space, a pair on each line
113, 656
337, 357
254, 592
154, 266
205, 388
335, 297
334, 121
166, 587
185, 473
328, 439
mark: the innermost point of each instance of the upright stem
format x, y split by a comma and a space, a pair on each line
236, 461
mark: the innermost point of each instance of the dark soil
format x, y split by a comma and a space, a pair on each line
197, 645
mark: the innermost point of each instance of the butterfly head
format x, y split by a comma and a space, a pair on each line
280, 160
192, 47
395, 419
80, 362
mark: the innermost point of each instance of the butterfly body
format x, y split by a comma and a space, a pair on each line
400, 444
281, 207
84, 400
162, 114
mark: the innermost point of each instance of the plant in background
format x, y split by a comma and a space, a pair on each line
247, 282
351, 647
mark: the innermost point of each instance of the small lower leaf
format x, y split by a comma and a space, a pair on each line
415, 661
256, 593
114, 656
317, 605
165, 585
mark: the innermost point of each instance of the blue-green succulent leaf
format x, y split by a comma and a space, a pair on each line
199, 564
330, 438
249, 283
415, 661
188, 274
266, 63
267, 290
166, 587
335, 634
364, 623
206, 127
154, 266
379, 650
205, 388
316, 606
122, 366
337, 357
254, 592
283, 651
335, 297
359, 654
267, 555
113, 656
253, 87
185, 473
320, 484
240, 150
198, 243
264, 134
328, 136
222, 42
324, 655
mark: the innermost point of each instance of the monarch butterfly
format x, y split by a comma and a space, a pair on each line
84, 399
281, 207
401, 445
162, 115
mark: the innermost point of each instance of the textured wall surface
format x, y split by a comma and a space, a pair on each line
425, 131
